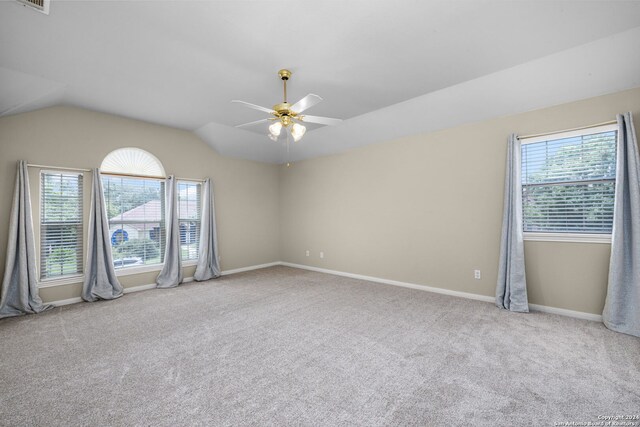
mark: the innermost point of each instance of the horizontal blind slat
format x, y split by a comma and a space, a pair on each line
189, 217
136, 213
61, 224
568, 185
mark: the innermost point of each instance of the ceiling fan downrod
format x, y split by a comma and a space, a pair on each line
283, 110
284, 75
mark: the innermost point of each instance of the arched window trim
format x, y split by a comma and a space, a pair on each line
132, 161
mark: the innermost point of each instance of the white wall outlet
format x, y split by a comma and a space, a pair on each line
321, 254
477, 274
307, 252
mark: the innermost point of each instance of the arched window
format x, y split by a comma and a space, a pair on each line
133, 161
134, 192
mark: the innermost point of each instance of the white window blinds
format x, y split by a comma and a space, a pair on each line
189, 216
568, 182
136, 211
60, 224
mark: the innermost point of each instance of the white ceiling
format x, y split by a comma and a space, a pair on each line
389, 68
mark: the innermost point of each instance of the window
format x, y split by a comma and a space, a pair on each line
133, 185
134, 189
189, 213
568, 182
135, 208
60, 224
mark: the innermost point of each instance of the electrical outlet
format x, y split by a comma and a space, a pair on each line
477, 274
321, 254
307, 253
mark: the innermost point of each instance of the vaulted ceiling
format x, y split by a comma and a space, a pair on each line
389, 68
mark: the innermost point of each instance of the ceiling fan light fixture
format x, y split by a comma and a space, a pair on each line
288, 116
275, 128
297, 131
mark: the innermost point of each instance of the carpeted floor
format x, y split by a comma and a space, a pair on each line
283, 346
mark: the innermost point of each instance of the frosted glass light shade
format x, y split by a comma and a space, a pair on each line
275, 128
297, 131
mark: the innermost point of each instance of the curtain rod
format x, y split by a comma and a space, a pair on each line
610, 122
57, 168
132, 175
111, 173
190, 179
162, 178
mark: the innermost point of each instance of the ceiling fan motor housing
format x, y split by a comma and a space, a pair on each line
283, 109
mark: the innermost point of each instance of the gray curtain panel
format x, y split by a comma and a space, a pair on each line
19, 285
100, 280
171, 274
208, 266
511, 292
622, 307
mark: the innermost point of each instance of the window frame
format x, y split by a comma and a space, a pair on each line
198, 183
45, 282
560, 236
144, 268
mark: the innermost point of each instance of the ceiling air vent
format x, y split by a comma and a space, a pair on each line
39, 5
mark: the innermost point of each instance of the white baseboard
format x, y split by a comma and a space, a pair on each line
62, 302
467, 295
139, 288
251, 267
442, 291
477, 297
75, 300
131, 289
150, 286
565, 312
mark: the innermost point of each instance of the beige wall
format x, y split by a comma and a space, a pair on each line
424, 209
427, 209
246, 193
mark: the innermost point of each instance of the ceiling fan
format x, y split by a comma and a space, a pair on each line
289, 116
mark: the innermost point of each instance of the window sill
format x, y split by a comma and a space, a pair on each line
127, 271
67, 280
567, 237
71, 280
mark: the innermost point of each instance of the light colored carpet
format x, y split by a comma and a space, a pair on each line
283, 346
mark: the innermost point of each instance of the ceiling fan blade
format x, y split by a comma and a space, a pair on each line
305, 103
254, 106
253, 123
320, 120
